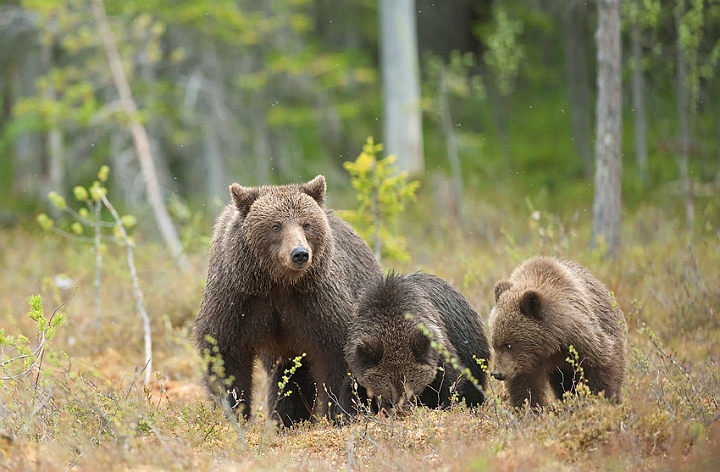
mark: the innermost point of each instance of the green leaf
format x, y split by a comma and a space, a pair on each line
57, 200
128, 221
103, 174
81, 193
45, 222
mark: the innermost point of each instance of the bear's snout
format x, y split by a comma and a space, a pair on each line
498, 375
300, 255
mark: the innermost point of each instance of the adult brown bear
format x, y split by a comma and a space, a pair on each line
283, 277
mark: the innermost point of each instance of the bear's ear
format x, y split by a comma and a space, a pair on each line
530, 304
501, 287
420, 346
369, 352
316, 189
243, 197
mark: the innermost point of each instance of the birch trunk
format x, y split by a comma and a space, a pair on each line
576, 71
638, 89
683, 157
140, 137
607, 199
401, 84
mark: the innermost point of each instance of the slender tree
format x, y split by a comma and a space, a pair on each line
683, 103
140, 137
608, 157
638, 93
401, 84
575, 19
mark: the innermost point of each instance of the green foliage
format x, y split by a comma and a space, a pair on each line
452, 360
460, 80
214, 364
383, 193
504, 52
579, 380
28, 357
691, 29
287, 374
89, 196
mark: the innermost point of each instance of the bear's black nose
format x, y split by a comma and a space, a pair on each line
497, 375
299, 255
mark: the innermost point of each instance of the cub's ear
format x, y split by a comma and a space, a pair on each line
530, 304
243, 197
420, 347
369, 353
316, 188
501, 287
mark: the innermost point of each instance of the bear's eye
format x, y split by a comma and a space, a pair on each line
276, 228
306, 227
507, 347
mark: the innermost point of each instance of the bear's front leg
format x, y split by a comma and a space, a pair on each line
296, 401
335, 391
229, 376
527, 387
239, 386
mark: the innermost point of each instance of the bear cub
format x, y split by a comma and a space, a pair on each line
283, 277
393, 359
546, 306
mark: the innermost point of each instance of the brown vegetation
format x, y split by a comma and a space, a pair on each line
88, 411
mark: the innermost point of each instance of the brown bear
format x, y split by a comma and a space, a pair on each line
393, 359
284, 273
546, 306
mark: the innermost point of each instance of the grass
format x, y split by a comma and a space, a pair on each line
86, 408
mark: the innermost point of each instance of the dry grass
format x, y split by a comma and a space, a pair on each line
86, 409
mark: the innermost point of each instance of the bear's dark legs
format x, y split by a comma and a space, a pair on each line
334, 391
299, 404
599, 380
239, 393
529, 387
437, 394
562, 381
469, 393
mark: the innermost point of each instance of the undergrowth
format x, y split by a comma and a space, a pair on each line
86, 404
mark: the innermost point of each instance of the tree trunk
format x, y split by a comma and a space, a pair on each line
401, 84
576, 70
452, 147
214, 115
607, 200
717, 140
55, 169
684, 116
140, 137
638, 89
261, 143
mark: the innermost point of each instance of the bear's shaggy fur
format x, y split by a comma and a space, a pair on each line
283, 277
546, 306
394, 360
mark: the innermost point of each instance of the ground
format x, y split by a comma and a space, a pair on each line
88, 410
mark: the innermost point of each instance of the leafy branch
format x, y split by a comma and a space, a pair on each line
27, 357
95, 199
382, 192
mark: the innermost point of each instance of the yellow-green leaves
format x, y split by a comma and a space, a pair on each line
382, 192
45, 221
103, 173
57, 200
81, 194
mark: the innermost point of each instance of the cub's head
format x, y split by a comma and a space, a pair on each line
284, 226
517, 330
387, 352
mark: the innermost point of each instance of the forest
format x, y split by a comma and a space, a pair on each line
458, 138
